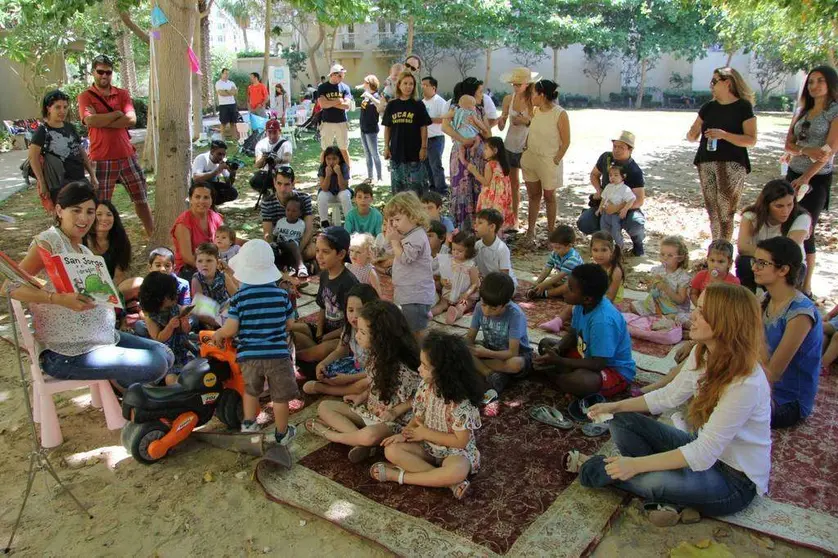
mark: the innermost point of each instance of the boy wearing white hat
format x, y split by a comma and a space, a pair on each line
261, 314
335, 98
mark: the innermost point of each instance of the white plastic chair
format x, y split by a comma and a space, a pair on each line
43, 388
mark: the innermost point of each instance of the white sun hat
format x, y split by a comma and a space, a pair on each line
254, 264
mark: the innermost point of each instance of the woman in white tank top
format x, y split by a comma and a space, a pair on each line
517, 108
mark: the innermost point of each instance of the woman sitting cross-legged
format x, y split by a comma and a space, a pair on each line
724, 460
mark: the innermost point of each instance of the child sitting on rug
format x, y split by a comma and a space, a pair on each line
562, 260
433, 205
505, 353
165, 320
363, 420
445, 416
719, 262
595, 355
364, 218
342, 372
413, 275
460, 279
315, 342
261, 316
492, 253
495, 191
668, 287
210, 281
360, 260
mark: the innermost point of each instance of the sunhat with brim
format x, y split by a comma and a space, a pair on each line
519, 75
254, 264
626, 137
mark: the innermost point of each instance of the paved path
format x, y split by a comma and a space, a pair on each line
10, 176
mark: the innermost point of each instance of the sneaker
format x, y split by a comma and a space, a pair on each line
250, 426
285, 439
302, 272
490, 396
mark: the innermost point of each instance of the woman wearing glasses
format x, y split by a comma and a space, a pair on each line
725, 128
812, 140
793, 332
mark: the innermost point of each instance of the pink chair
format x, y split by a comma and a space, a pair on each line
43, 388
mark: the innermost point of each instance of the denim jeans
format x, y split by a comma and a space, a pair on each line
720, 490
132, 360
370, 144
634, 224
436, 173
785, 415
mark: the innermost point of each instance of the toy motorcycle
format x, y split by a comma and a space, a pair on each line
162, 417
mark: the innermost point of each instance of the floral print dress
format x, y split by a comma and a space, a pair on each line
443, 416
498, 195
371, 410
465, 188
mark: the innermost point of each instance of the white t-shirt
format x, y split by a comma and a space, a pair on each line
289, 232
202, 165
802, 223
225, 84
494, 257
436, 107
264, 146
618, 194
489, 108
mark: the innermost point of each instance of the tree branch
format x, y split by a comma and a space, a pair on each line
136, 29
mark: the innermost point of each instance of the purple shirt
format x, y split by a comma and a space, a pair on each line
413, 276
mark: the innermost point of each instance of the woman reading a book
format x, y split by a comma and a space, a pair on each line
78, 338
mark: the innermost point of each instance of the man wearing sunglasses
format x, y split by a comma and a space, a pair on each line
108, 112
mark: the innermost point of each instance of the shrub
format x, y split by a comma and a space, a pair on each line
141, 108
250, 54
242, 80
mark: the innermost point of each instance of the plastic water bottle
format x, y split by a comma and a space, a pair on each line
784, 169
712, 144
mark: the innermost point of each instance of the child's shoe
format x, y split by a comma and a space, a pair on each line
285, 439
250, 426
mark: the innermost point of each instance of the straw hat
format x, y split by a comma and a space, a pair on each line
519, 75
625, 137
254, 264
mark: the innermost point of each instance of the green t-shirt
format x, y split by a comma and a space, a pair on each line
369, 223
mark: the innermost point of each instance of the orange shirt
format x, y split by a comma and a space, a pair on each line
257, 94
107, 144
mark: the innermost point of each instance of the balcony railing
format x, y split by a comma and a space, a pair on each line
347, 41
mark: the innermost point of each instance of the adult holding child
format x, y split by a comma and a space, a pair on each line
725, 128
724, 461
194, 226
406, 124
78, 338
273, 209
634, 223
812, 140
542, 161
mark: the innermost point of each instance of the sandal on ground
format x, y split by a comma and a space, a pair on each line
593, 429
379, 471
361, 453
314, 426
460, 489
578, 408
664, 515
571, 461
550, 416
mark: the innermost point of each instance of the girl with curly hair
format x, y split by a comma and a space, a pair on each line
720, 459
164, 318
362, 420
438, 448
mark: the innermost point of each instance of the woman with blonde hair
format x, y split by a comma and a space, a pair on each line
725, 128
723, 459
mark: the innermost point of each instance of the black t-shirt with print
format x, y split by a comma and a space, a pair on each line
730, 118
405, 120
65, 144
332, 92
634, 176
331, 297
369, 116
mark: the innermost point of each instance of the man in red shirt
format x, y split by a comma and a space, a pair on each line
108, 112
257, 96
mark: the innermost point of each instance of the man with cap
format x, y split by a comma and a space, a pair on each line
335, 98
273, 149
634, 224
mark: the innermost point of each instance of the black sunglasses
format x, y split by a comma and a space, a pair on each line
716, 80
104, 72
411, 67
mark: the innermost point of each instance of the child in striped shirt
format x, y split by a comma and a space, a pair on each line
261, 314
562, 260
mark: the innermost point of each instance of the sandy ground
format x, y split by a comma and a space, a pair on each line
201, 501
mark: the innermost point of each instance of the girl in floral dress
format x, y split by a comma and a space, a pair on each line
496, 191
437, 448
362, 420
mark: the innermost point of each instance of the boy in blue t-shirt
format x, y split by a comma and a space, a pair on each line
363, 218
433, 205
261, 314
505, 353
595, 355
562, 260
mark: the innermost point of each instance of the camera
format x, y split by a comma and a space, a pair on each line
271, 159
233, 164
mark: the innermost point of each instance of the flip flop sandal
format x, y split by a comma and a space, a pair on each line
361, 453
570, 461
314, 426
592, 430
460, 489
664, 515
578, 408
550, 416
378, 472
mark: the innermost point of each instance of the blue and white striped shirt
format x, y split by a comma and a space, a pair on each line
566, 263
263, 312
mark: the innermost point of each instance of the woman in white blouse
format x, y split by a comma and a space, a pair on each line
724, 461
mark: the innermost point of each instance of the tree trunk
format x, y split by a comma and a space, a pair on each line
556, 64
411, 28
244, 34
599, 92
197, 81
128, 70
149, 158
125, 16
312, 51
330, 55
729, 58
641, 85
205, 55
267, 59
174, 147
488, 68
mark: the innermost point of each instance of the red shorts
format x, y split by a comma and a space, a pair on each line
127, 171
612, 381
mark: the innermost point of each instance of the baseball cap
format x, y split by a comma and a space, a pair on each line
273, 124
337, 235
337, 69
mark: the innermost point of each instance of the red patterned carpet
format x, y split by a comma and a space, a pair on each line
805, 458
511, 490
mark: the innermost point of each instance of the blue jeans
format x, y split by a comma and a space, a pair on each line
634, 224
132, 360
436, 146
370, 143
720, 490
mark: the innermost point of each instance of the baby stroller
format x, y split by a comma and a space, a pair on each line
309, 126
